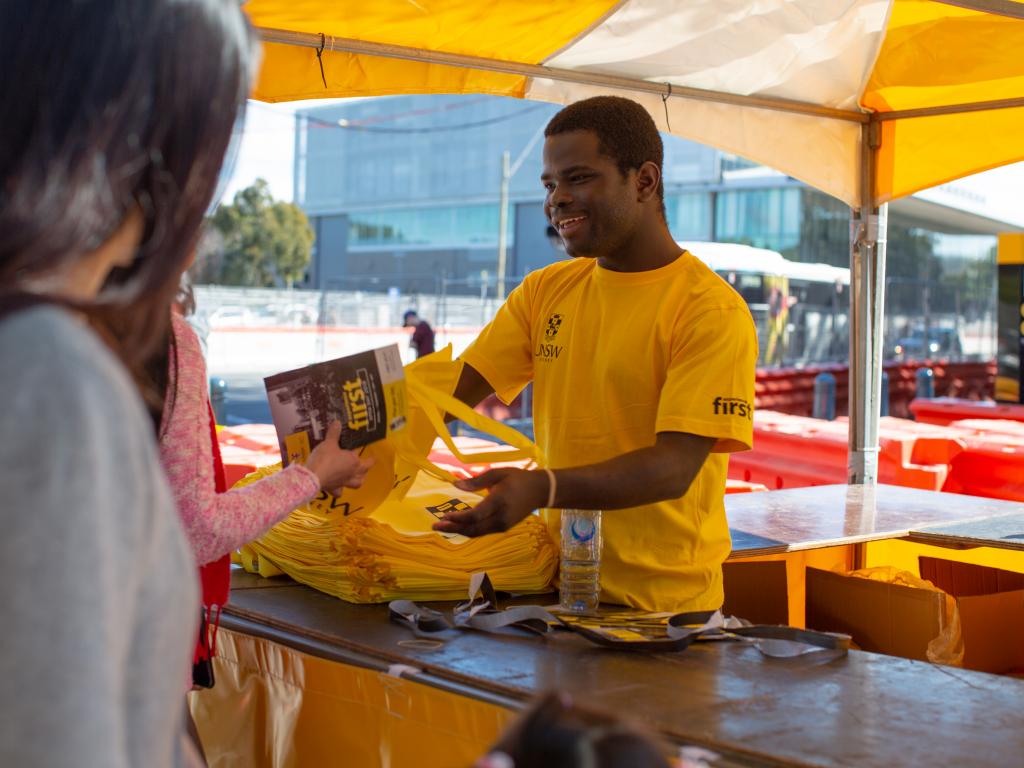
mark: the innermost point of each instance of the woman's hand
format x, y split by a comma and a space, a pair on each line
335, 467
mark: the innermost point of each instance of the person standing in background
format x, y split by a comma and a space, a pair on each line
422, 336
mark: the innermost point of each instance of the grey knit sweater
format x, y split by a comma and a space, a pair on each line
98, 593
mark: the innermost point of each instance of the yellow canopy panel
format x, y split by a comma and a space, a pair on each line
935, 55
924, 152
787, 83
510, 30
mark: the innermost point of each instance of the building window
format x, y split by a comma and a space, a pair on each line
824, 230
689, 215
454, 226
730, 162
763, 218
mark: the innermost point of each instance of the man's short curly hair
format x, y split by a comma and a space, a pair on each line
625, 132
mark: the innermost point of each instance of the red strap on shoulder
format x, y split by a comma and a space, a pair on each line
216, 576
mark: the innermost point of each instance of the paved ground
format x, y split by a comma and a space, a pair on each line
245, 401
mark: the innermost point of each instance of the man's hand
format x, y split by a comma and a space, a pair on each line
512, 495
655, 473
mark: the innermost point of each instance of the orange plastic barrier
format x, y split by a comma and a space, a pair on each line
992, 461
989, 427
741, 486
946, 410
246, 448
797, 451
977, 457
992, 468
259, 438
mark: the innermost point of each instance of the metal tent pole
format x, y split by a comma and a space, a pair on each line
867, 296
503, 226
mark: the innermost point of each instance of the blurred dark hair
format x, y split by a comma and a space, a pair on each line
556, 733
110, 105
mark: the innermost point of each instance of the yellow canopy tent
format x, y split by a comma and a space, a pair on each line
867, 100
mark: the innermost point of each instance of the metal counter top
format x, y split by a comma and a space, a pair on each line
862, 710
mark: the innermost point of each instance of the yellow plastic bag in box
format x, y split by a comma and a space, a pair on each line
948, 647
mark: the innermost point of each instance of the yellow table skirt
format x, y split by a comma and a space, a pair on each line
276, 707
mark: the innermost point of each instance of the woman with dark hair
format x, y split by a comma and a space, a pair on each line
556, 733
116, 116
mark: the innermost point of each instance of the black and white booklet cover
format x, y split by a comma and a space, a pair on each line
365, 392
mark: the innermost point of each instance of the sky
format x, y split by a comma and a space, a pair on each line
268, 147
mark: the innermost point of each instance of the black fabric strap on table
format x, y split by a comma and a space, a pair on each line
682, 629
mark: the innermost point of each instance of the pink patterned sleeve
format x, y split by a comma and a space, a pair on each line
216, 523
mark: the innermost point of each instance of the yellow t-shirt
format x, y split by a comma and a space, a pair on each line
615, 358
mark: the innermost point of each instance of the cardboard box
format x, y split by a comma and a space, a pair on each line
365, 392
757, 592
901, 621
882, 618
991, 603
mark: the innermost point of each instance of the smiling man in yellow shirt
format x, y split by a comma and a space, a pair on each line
642, 361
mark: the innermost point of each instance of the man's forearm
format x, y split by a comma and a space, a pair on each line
471, 388
662, 471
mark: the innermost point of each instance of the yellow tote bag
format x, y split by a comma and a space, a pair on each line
430, 382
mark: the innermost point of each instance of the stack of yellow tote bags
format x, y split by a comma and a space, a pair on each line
384, 549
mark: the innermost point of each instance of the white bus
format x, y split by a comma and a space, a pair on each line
801, 310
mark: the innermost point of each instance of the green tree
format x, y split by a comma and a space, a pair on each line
264, 243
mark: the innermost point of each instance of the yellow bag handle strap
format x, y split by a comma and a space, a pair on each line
426, 465
429, 396
433, 400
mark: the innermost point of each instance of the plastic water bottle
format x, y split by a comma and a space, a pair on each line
580, 575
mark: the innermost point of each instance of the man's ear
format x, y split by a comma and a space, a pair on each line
648, 177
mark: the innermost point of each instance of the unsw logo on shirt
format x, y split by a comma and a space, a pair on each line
547, 349
732, 406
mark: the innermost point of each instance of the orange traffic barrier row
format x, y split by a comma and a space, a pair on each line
946, 410
248, 447
983, 427
798, 451
978, 457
